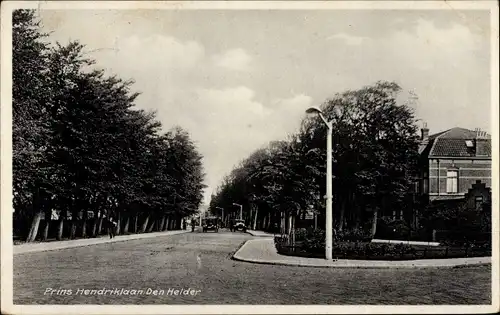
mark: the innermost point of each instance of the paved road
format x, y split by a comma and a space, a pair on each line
201, 262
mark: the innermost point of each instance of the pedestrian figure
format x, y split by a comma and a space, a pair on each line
192, 225
111, 227
184, 225
231, 226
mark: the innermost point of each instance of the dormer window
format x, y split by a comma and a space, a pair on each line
469, 143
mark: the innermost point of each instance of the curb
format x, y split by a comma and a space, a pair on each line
270, 236
68, 246
237, 257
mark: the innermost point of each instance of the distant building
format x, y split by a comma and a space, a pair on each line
452, 162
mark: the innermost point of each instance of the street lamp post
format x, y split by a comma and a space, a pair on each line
241, 209
222, 209
329, 182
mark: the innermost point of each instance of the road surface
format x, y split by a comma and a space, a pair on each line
201, 264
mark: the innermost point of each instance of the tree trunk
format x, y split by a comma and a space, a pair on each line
74, 221
84, 224
101, 220
152, 225
118, 224
374, 223
145, 224
60, 227
342, 215
34, 226
48, 217
125, 228
283, 223
290, 218
72, 234
136, 219
255, 218
95, 223
167, 227
162, 224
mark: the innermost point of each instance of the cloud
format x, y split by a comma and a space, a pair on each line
231, 104
235, 59
350, 40
230, 124
442, 63
156, 52
289, 113
428, 46
231, 113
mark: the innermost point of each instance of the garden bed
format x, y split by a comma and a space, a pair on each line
378, 251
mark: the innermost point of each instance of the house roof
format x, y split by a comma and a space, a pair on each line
452, 143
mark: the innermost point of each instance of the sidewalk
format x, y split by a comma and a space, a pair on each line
260, 233
263, 251
47, 246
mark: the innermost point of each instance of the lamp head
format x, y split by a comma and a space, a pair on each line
314, 110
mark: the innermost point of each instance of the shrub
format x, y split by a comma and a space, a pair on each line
392, 229
302, 234
420, 235
372, 250
314, 241
354, 235
377, 251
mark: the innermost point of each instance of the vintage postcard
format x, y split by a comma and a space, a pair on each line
249, 157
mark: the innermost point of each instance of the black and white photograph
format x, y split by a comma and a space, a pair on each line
227, 157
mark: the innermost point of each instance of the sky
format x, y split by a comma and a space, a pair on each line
237, 79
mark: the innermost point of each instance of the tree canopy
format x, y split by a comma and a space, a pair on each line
374, 150
81, 145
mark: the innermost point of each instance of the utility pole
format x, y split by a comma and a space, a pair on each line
222, 209
241, 209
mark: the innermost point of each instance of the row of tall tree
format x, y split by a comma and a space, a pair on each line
81, 149
375, 161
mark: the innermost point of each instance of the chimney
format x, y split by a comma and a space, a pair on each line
425, 133
481, 143
424, 138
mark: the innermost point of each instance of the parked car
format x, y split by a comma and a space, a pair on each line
211, 224
239, 225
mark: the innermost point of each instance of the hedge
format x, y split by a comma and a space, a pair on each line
378, 251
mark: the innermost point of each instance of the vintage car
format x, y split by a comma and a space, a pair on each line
211, 224
239, 225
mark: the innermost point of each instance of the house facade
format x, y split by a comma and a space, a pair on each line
453, 162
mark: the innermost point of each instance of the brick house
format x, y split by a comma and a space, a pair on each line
453, 161
455, 166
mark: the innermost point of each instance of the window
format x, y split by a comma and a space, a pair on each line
452, 182
479, 202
